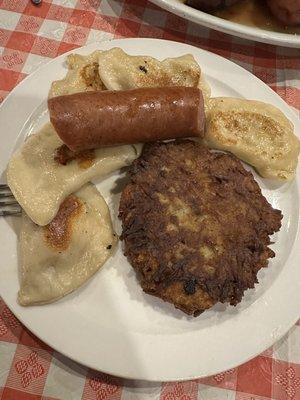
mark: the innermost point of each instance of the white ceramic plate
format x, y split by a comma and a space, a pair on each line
110, 324
247, 32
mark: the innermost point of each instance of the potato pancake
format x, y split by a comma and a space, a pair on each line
195, 225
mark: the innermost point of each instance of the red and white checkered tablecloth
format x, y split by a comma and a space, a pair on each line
29, 37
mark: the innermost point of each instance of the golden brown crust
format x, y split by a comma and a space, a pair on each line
195, 225
90, 75
64, 155
58, 232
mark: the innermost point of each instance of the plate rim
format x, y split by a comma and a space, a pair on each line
282, 330
229, 27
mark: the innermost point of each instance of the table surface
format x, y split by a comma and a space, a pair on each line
29, 37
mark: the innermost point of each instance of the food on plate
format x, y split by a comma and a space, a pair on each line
82, 75
272, 15
103, 118
121, 71
195, 225
116, 70
40, 183
61, 256
256, 132
287, 11
210, 5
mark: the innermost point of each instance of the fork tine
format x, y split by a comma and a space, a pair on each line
6, 213
8, 201
5, 191
4, 186
6, 195
8, 204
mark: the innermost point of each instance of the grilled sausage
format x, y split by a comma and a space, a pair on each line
287, 11
106, 118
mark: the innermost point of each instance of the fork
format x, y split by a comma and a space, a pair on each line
8, 204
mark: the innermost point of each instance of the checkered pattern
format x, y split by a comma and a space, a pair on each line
29, 37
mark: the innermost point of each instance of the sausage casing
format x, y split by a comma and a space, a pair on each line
105, 118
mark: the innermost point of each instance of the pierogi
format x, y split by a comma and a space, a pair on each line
256, 132
120, 71
116, 70
82, 75
58, 258
40, 183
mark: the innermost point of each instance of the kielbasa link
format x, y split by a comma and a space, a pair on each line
104, 118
